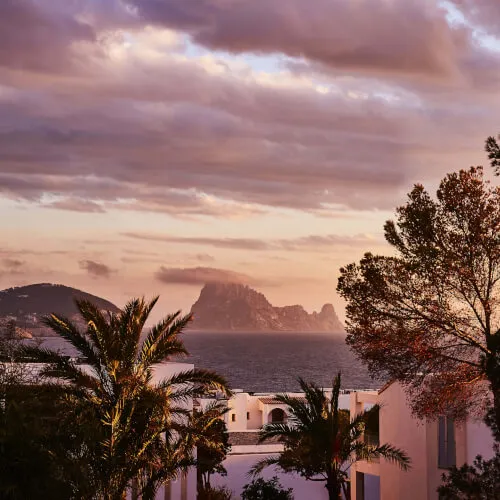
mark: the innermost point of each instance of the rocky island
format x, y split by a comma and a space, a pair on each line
235, 307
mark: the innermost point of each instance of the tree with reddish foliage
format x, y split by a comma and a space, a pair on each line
428, 316
493, 149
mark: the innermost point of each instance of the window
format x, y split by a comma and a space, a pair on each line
446, 443
248, 415
233, 417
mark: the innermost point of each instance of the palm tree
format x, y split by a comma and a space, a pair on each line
321, 442
202, 430
138, 431
213, 442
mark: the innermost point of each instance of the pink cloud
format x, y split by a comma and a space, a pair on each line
410, 36
96, 269
200, 276
139, 135
38, 34
313, 242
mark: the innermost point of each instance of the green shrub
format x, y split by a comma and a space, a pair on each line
261, 489
214, 493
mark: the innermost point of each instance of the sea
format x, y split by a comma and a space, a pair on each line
269, 362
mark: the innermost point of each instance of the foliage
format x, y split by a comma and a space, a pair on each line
30, 438
321, 442
213, 445
9, 341
135, 429
214, 493
480, 481
493, 149
428, 315
261, 489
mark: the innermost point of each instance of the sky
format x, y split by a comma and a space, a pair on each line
149, 146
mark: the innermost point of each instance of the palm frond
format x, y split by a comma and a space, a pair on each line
259, 466
98, 326
161, 341
394, 455
69, 332
281, 430
55, 365
201, 381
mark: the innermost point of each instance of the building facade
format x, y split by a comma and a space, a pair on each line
433, 447
247, 413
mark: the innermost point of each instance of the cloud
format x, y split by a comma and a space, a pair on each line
200, 276
410, 36
346, 119
482, 13
304, 243
40, 35
76, 205
96, 269
13, 266
231, 243
204, 257
250, 172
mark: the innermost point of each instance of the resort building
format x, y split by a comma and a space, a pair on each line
247, 413
433, 447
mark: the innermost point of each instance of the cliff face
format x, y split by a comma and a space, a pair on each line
235, 307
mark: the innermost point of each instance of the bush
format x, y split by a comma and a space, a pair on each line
214, 493
260, 489
480, 481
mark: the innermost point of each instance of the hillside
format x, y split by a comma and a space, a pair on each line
26, 305
236, 307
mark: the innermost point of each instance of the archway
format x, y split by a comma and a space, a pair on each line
277, 416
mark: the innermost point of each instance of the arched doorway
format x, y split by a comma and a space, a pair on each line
277, 416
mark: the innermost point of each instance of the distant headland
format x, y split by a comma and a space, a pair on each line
235, 307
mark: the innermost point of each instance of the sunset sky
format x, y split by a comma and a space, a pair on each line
147, 146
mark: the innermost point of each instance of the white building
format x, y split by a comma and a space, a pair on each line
433, 446
248, 412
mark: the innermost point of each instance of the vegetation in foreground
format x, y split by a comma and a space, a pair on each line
270, 489
321, 441
428, 315
214, 446
479, 481
114, 427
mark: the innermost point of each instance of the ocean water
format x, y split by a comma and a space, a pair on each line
271, 362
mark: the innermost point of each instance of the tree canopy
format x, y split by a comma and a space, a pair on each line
428, 315
136, 431
493, 149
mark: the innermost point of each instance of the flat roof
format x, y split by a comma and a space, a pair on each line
273, 401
